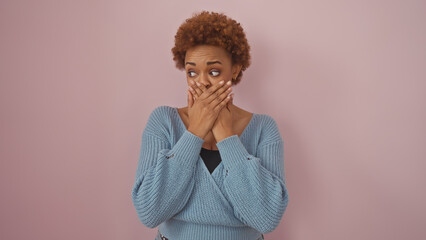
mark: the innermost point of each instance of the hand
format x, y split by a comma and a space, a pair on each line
223, 126
204, 106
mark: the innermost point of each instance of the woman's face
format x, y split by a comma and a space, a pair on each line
209, 65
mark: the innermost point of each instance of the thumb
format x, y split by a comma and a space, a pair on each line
190, 99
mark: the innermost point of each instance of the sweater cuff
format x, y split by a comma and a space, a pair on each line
187, 148
232, 151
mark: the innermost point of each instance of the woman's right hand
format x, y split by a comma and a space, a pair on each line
204, 105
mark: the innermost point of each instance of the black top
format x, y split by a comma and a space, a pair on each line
211, 158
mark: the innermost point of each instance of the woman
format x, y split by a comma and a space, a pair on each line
210, 170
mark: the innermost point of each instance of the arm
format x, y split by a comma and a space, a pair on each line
164, 177
255, 185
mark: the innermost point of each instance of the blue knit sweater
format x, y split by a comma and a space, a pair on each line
246, 194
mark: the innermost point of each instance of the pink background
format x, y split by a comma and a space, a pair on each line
345, 80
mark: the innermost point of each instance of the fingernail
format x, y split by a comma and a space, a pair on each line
229, 83
192, 81
198, 84
221, 82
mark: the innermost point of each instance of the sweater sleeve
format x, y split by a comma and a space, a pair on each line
164, 177
255, 185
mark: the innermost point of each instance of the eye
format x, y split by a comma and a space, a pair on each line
189, 73
218, 72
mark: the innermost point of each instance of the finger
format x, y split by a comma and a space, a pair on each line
222, 104
193, 92
196, 87
231, 95
218, 94
201, 86
192, 87
224, 97
231, 101
213, 93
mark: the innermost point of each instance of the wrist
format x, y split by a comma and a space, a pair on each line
224, 135
197, 133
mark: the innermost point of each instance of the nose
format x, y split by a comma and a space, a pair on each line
204, 79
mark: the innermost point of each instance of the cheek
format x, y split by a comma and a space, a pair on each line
227, 77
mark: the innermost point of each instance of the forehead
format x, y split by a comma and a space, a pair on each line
206, 52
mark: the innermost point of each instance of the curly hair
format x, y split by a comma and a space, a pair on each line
213, 29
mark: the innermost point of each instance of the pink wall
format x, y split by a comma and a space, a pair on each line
344, 80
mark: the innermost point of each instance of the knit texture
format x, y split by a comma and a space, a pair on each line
246, 194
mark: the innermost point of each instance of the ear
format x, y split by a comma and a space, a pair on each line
236, 68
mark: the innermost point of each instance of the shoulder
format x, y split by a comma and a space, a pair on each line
161, 112
158, 123
269, 129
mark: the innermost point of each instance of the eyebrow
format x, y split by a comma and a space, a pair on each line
208, 63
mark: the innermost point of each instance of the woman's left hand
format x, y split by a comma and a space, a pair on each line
222, 127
